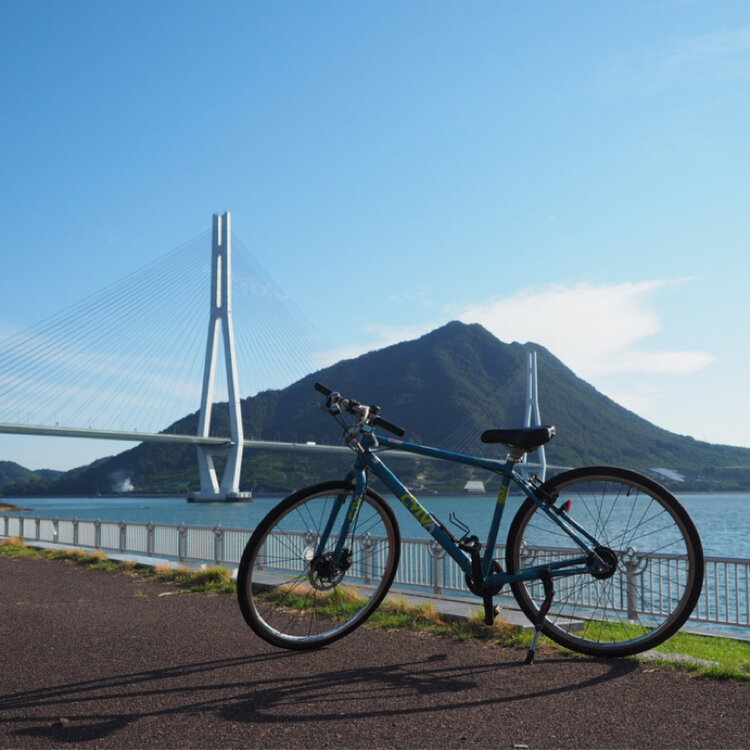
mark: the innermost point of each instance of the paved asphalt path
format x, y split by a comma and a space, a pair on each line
100, 660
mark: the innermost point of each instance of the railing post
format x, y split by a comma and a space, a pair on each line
635, 565
367, 543
123, 536
38, 528
55, 530
6, 525
182, 542
75, 532
98, 534
438, 569
218, 544
150, 538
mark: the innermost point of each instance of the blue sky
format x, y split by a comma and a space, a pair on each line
571, 173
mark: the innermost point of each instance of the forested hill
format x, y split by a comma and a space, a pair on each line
13, 473
445, 388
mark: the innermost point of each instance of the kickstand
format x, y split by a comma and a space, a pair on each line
549, 592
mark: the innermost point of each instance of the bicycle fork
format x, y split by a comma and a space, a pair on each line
339, 560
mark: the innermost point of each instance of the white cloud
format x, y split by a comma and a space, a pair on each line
664, 363
716, 57
592, 328
715, 44
720, 55
595, 329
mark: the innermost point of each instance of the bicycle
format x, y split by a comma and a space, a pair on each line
625, 555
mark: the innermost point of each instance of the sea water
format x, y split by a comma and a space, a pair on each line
723, 520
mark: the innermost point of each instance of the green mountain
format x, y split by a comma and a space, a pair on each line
20, 480
445, 388
13, 474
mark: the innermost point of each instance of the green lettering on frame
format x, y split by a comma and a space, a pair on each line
355, 508
421, 514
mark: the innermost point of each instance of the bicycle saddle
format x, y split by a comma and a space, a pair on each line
523, 438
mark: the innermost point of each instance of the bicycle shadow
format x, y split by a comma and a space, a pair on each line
371, 685
359, 692
59, 700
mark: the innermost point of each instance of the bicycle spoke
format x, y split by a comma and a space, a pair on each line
652, 588
299, 590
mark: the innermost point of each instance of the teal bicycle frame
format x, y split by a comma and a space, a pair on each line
367, 460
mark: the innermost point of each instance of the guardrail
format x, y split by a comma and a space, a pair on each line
424, 566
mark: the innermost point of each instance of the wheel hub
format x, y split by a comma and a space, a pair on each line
607, 563
324, 574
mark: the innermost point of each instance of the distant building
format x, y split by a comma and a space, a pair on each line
662, 473
474, 486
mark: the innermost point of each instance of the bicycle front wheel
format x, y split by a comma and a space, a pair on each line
298, 592
655, 569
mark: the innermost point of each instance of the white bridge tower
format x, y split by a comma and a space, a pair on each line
221, 331
532, 417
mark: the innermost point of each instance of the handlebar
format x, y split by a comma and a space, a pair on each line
390, 426
335, 403
320, 388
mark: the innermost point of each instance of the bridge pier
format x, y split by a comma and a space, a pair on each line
221, 329
532, 417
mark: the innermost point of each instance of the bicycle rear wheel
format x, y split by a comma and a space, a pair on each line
296, 596
655, 555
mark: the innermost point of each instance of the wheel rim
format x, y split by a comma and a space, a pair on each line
645, 598
301, 595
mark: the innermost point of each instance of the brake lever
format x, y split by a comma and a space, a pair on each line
332, 410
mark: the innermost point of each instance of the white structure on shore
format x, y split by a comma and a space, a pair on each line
474, 486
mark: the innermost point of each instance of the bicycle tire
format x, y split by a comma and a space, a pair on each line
659, 562
296, 600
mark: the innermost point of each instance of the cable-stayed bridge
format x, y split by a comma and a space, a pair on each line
150, 346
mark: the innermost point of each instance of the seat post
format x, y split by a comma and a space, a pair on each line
516, 455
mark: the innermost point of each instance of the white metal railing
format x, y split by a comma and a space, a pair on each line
424, 566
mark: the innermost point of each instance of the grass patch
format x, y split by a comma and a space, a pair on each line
214, 574
210, 579
340, 603
15, 547
168, 574
215, 579
97, 559
731, 656
425, 618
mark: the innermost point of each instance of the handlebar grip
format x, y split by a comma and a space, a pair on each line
394, 428
320, 388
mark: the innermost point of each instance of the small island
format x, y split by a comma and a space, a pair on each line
5, 507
